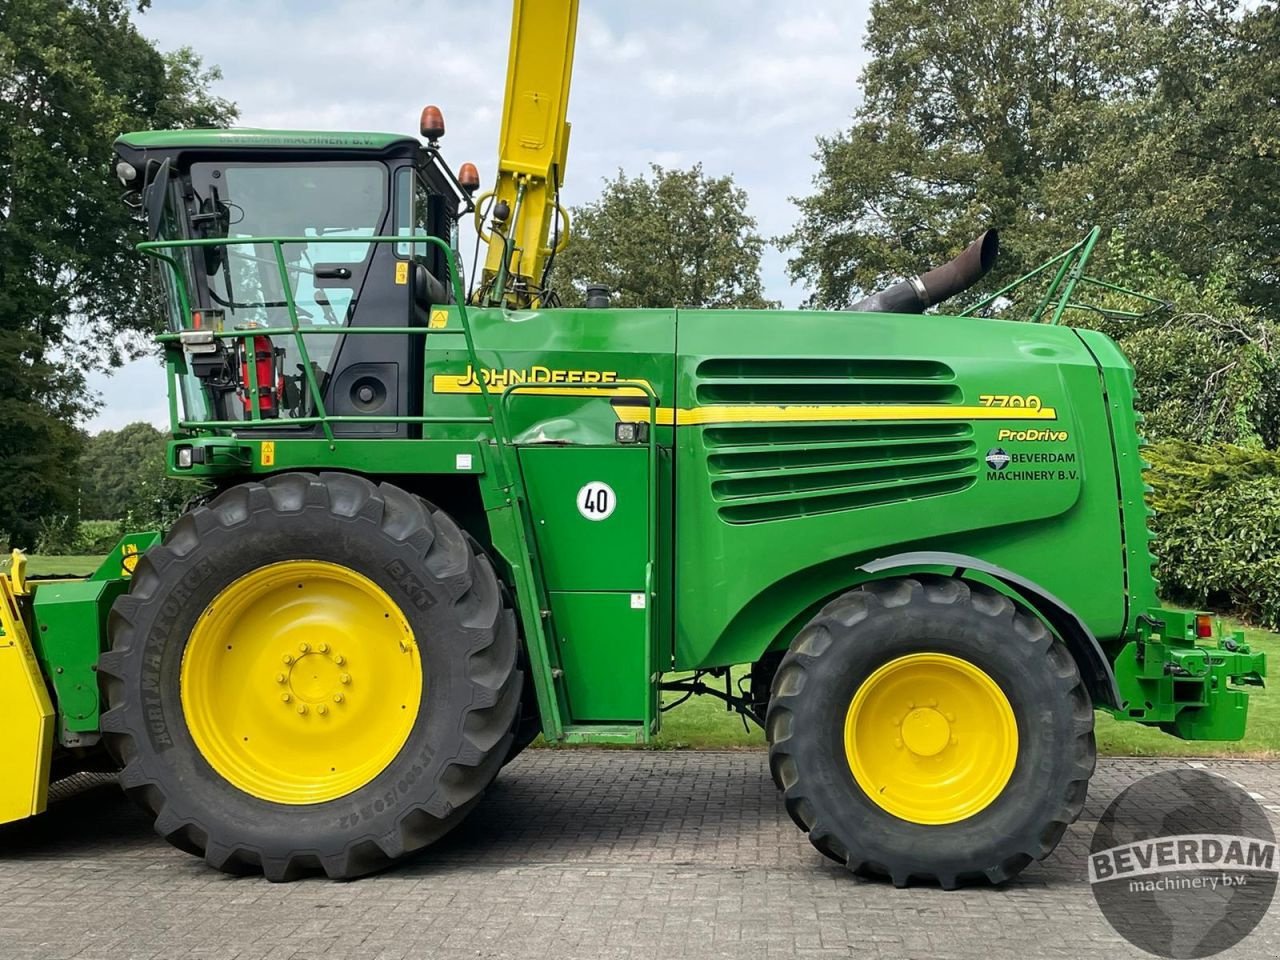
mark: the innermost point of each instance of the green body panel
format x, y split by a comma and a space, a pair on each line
70, 633
595, 571
773, 519
579, 553
600, 642
549, 347
1118, 385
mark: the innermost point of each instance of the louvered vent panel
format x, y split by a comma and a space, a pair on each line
785, 470
802, 380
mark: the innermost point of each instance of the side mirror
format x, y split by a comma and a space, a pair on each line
154, 195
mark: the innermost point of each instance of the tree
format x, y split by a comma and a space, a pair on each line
1206, 365
122, 477
74, 74
1045, 116
676, 238
1187, 164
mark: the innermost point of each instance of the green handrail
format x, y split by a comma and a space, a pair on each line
1071, 264
157, 249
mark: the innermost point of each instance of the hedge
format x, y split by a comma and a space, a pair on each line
1217, 527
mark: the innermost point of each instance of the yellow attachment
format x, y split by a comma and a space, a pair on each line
26, 712
533, 142
301, 682
18, 572
931, 738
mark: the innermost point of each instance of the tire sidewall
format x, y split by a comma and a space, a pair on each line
1018, 665
168, 753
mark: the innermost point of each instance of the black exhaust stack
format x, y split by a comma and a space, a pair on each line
919, 293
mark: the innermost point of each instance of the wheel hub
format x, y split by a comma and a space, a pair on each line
301, 682
316, 677
926, 732
931, 738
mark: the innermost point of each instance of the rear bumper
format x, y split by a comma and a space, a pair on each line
1189, 689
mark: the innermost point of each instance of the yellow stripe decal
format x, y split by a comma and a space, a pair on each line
580, 383
818, 413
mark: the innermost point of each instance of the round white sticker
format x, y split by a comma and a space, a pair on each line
596, 500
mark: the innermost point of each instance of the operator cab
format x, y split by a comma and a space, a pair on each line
273, 228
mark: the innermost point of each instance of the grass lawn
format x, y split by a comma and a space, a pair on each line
57, 566
702, 723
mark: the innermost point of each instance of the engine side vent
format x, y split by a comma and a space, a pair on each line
803, 380
782, 471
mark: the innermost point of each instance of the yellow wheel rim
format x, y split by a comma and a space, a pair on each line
931, 738
301, 682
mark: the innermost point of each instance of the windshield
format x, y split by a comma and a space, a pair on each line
264, 200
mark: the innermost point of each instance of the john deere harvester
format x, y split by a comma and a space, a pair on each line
434, 523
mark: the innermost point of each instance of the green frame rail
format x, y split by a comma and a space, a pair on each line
1071, 265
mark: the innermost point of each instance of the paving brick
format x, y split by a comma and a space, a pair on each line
573, 855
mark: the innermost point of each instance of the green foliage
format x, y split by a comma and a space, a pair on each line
676, 238
1207, 366
122, 479
74, 74
99, 536
1042, 118
57, 535
1217, 525
64, 537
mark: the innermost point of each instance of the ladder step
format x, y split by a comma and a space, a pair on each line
605, 733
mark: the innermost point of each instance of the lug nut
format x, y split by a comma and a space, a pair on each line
286, 659
280, 678
285, 698
323, 648
338, 698
304, 647
322, 709
302, 709
339, 659
345, 678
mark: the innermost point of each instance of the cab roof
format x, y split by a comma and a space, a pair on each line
242, 137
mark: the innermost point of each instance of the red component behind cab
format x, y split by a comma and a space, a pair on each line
270, 378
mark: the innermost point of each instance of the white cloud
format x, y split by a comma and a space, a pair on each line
744, 86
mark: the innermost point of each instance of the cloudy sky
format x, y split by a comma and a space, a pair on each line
744, 86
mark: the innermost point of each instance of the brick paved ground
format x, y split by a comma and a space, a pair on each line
573, 854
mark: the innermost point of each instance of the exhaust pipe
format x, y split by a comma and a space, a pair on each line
919, 293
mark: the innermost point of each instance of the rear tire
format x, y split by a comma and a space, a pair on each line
878, 791
460, 633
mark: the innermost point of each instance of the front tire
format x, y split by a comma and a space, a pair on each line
928, 729
311, 673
